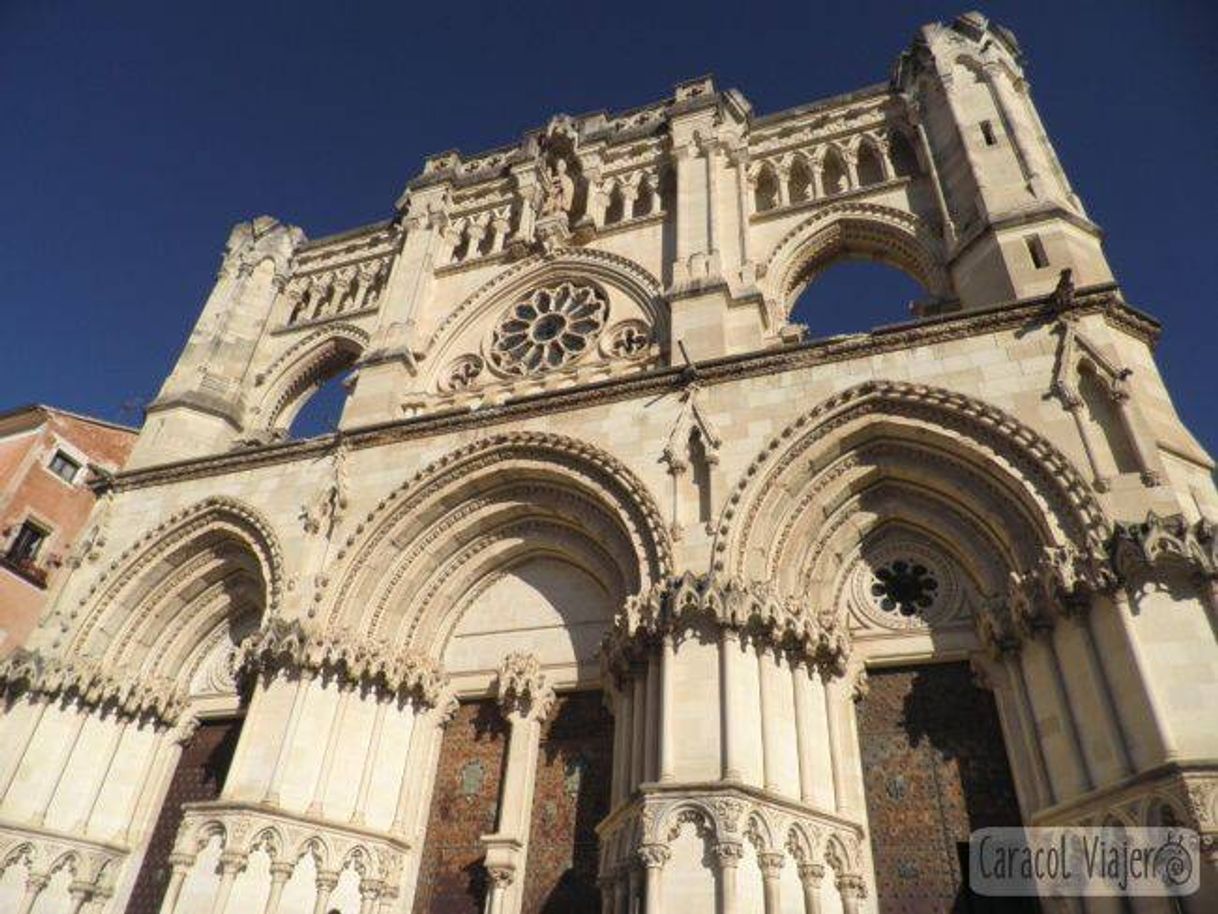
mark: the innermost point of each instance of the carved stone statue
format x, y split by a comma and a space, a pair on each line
558, 191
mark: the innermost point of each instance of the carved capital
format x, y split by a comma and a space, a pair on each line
728, 853
811, 873
851, 885
771, 863
501, 875
654, 856
523, 688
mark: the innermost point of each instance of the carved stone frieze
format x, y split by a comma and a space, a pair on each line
288, 645
93, 685
691, 601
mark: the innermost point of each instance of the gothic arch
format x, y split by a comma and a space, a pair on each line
851, 229
425, 551
884, 449
602, 267
160, 602
302, 369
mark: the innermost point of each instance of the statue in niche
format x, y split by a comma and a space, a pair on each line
558, 192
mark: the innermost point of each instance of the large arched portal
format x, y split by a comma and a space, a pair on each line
505, 562
902, 514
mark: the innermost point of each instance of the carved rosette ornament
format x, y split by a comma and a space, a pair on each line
550, 328
462, 373
693, 601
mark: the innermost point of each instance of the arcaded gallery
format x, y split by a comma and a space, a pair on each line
616, 590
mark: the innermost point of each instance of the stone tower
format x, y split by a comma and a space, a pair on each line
613, 590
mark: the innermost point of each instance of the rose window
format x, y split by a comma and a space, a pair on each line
904, 586
550, 328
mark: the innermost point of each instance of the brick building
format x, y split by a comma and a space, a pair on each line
48, 457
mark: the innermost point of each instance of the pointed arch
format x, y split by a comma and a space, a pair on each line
834, 177
870, 164
161, 600
293, 377
765, 188
621, 276
433, 545
860, 230
878, 438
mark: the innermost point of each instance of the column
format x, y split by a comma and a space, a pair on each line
804, 738
77, 725
317, 802
668, 662
424, 732
289, 737
652, 723
1129, 633
34, 884
622, 732
180, 864
653, 858
369, 894
38, 711
727, 862
810, 875
281, 872
852, 890
766, 672
729, 683
833, 698
851, 158
771, 871
1028, 723
326, 881
638, 726
500, 888
370, 760
83, 827
162, 758
230, 865
526, 700
78, 896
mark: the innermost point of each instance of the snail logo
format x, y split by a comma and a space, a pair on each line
1172, 863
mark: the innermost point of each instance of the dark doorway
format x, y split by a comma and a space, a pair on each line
934, 768
464, 806
574, 770
199, 776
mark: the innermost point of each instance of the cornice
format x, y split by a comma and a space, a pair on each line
1104, 300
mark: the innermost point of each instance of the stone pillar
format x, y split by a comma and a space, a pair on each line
653, 858
729, 686
230, 866
79, 894
326, 881
771, 872
289, 738
370, 760
21, 741
810, 876
727, 863
34, 884
767, 674
180, 865
668, 661
639, 730
316, 804
852, 890
801, 683
79, 717
281, 872
526, 699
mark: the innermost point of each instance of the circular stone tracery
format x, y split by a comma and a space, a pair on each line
553, 326
904, 586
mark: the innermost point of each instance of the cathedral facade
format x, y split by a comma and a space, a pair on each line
614, 590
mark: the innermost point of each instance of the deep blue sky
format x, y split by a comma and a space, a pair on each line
136, 134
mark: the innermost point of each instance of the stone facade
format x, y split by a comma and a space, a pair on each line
586, 456
48, 460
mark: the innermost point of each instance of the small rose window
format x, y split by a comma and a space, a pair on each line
904, 586
550, 328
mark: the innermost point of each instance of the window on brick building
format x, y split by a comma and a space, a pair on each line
64, 466
27, 542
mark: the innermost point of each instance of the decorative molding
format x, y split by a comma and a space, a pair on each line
691, 602
282, 645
